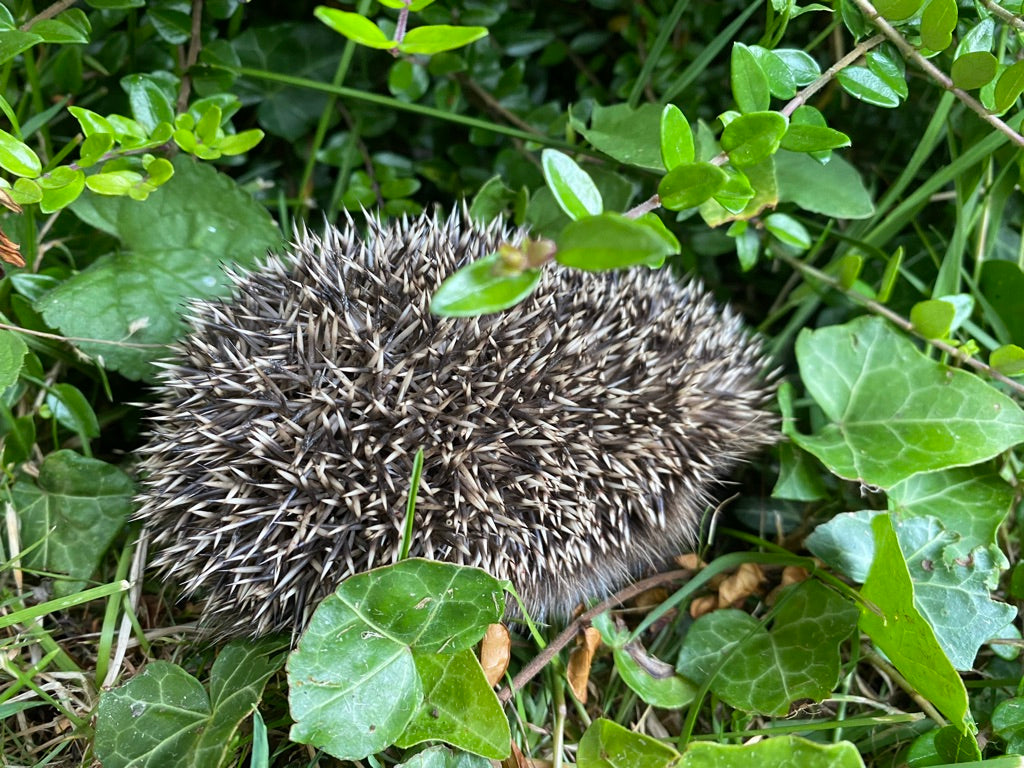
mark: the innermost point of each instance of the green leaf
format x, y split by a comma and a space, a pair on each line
1008, 724
802, 66
666, 691
26, 191
17, 157
1002, 285
800, 476
356, 28
764, 670
113, 183
849, 269
893, 411
610, 241
933, 319
149, 101
483, 286
737, 193
897, 10
676, 138
774, 752
164, 717
458, 706
631, 136
788, 230
238, 143
60, 189
69, 27
408, 80
353, 680
974, 70
439, 37
752, 137
1008, 360
72, 410
760, 178
781, 82
1009, 86
12, 357
833, 190
886, 62
937, 24
574, 190
91, 122
608, 745
73, 511
414, 5
442, 757
899, 630
813, 138
175, 247
688, 185
14, 42
863, 84
749, 83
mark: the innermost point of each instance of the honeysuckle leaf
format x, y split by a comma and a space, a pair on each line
439, 37
753, 137
573, 188
893, 412
17, 157
611, 241
863, 84
481, 287
937, 24
973, 70
761, 669
676, 138
749, 83
688, 185
355, 27
897, 10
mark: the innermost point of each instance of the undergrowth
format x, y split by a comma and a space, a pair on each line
846, 175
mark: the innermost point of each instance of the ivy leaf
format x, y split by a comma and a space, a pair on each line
893, 411
775, 752
608, 745
70, 514
164, 716
894, 625
760, 669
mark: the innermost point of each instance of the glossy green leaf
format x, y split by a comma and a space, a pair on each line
113, 183
481, 287
776, 752
439, 37
17, 157
890, 275
610, 241
749, 83
760, 178
149, 101
239, 143
631, 136
897, 10
937, 24
849, 269
458, 706
676, 138
14, 42
355, 686
813, 138
892, 411
91, 122
863, 84
802, 66
413, 5
70, 514
1008, 360
608, 745
788, 230
573, 188
781, 83
26, 191
690, 184
752, 137
1009, 86
61, 189
737, 192
1008, 724
933, 318
973, 70
894, 624
356, 28
980, 37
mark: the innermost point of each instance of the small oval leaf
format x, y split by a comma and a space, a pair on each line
751, 138
17, 157
481, 287
676, 138
689, 185
572, 187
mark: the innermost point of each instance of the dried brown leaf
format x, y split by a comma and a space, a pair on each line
580, 659
495, 651
740, 585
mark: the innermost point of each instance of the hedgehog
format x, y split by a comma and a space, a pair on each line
570, 444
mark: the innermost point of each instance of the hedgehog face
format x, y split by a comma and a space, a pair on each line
570, 443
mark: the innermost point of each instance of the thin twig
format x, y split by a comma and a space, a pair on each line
912, 54
1004, 14
194, 45
47, 13
900, 321
569, 633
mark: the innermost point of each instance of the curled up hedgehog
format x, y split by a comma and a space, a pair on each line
570, 444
